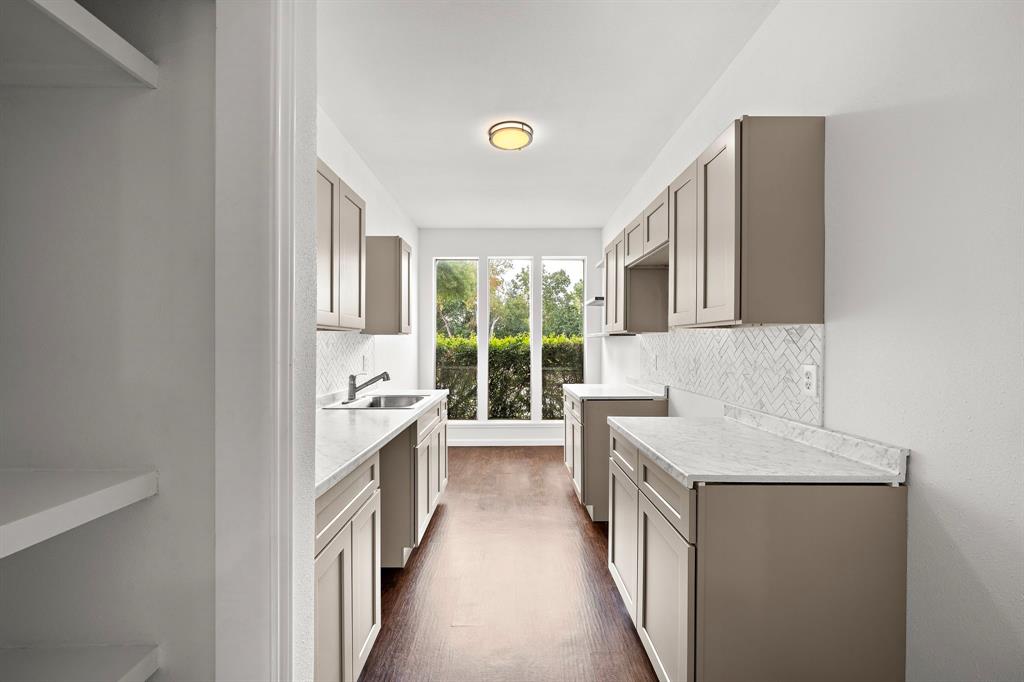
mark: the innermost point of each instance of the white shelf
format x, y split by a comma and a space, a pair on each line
59, 43
601, 335
37, 505
132, 663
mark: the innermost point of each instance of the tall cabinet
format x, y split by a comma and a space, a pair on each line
341, 253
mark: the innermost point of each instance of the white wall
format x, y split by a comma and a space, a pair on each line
396, 354
924, 281
107, 340
452, 243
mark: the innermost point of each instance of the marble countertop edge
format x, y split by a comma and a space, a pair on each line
409, 417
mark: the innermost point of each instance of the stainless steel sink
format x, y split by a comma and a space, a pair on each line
379, 402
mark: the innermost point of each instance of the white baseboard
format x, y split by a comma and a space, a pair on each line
484, 434
498, 442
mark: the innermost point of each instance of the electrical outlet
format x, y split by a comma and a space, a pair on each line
809, 380
366, 364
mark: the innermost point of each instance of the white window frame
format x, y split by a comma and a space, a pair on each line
483, 316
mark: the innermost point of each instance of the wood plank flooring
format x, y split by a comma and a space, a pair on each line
511, 583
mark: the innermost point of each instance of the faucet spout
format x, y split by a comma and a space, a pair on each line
354, 388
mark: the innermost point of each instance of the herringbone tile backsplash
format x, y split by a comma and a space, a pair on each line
755, 367
339, 354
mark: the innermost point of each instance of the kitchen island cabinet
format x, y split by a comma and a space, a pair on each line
586, 411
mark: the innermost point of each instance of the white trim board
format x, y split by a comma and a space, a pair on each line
37, 505
129, 663
482, 434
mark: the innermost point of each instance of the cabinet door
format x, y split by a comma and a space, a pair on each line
609, 286
332, 610
567, 446
634, 240
434, 468
656, 223
718, 229
620, 283
405, 287
577, 457
328, 199
365, 582
682, 260
622, 534
665, 589
444, 455
351, 259
422, 488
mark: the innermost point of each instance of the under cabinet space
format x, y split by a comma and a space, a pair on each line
388, 286
636, 291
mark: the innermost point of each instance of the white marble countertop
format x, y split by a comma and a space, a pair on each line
750, 447
346, 438
612, 392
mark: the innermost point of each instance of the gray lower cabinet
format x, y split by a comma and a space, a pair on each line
586, 443
796, 582
622, 535
365, 582
665, 586
332, 628
347, 594
414, 466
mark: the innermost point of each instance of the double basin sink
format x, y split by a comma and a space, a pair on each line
378, 402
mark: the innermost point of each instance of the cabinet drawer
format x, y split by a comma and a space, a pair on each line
338, 505
623, 453
676, 502
574, 407
428, 421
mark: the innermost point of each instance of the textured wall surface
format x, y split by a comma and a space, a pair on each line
755, 367
339, 354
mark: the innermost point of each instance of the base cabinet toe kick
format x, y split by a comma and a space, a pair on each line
373, 518
748, 581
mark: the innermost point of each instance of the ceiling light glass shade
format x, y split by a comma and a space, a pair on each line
510, 135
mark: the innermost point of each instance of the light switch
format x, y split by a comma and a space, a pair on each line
809, 380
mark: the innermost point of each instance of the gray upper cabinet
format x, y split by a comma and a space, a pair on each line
614, 284
682, 262
655, 222
328, 196
747, 223
718, 229
341, 253
634, 240
388, 286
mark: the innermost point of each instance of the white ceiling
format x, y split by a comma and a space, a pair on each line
415, 85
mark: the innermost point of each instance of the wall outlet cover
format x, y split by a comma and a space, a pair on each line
809, 380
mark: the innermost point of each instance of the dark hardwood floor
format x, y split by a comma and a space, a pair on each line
510, 583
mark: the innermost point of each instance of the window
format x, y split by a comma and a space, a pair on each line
529, 314
562, 340
455, 348
508, 333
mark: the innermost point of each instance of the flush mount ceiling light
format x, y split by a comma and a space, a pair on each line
510, 135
